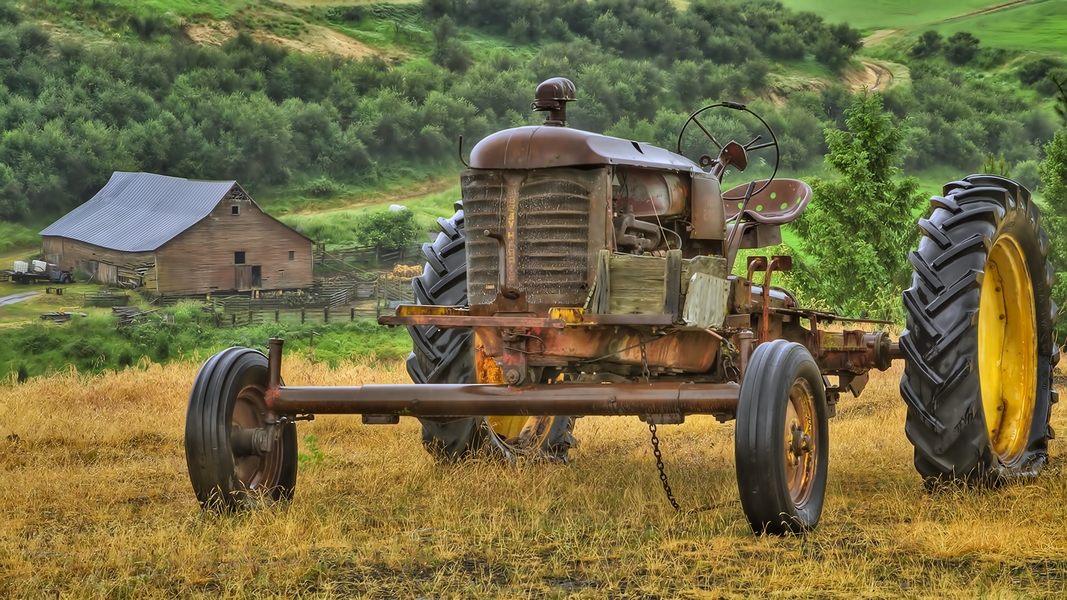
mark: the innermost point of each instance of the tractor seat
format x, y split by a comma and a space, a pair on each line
781, 202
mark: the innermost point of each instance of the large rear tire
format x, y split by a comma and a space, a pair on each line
978, 348
782, 439
447, 356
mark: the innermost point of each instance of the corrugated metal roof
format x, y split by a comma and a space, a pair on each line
139, 212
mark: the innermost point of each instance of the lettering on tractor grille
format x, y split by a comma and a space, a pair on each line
544, 216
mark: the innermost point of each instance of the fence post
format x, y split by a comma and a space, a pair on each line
233, 320
302, 315
276, 315
352, 317
326, 314
249, 317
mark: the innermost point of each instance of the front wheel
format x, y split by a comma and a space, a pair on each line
237, 454
782, 439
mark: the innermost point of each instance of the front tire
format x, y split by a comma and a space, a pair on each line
979, 347
782, 439
226, 410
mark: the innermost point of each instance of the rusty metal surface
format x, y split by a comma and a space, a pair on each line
780, 202
551, 222
460, 400
544, 147
447, 321
854, 350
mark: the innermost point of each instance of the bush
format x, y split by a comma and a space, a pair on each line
1036, 69
323, 187
961, 48
929, 44
1027, 174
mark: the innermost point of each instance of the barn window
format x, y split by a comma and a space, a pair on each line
235, 210
292, 255
238, 258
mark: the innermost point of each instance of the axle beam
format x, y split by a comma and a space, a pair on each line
467, 400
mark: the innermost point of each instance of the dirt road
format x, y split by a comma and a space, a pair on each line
16, 298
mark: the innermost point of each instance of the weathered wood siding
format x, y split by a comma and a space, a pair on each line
103, 264
201, 259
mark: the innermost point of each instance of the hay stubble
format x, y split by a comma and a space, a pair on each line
95, 500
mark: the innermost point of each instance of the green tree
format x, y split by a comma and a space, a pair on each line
858, 230
929, 44
1053, 172
387, 229
961, 48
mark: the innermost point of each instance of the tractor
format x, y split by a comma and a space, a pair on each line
584, 274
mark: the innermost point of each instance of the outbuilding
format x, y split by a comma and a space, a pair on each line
175, 236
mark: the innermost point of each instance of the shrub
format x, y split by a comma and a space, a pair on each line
961, 48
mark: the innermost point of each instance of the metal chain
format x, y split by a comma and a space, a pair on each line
659, 465
644, 363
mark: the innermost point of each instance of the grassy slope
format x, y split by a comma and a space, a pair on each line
881, 14
102, 507
1040, 27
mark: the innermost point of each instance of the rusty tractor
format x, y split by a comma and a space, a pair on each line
590, 275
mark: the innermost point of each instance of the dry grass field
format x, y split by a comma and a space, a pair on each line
95, 502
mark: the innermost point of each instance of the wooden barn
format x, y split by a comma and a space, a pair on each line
177, 236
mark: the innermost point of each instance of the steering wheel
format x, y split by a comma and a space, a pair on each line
707, 161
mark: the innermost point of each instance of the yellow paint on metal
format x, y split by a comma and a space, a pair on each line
1007, 349
527, 432
414, 310
570, 316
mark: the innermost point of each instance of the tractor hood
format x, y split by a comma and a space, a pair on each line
546, 146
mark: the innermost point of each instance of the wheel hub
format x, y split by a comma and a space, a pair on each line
800, 455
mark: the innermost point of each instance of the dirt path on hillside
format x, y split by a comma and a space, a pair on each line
874, 77
398, 196
878, 37
984, 11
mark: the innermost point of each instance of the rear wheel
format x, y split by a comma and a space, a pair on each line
978, 347
782, 439
448, 355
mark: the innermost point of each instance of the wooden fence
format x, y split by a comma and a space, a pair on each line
289, 315
365, 259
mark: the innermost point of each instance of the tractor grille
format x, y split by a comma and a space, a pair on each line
548, 241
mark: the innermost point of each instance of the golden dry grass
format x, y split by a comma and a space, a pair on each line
95, 501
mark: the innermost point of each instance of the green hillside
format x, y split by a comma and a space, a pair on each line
1039, 26
309, 102
881, 14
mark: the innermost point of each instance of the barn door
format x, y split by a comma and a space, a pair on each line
243, 277
257, 276
108, 274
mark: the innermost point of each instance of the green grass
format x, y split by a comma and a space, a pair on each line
218, 9
883, 14
17, 235
1037, 26
93, 343
340, 225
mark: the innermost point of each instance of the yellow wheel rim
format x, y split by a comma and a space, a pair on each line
1007, 349
801, 435
519, 432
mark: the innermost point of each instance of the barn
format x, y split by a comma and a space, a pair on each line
176, 236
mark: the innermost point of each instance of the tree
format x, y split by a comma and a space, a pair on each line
961, 48
858, 230
387, 229
929, 44
1053, 172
